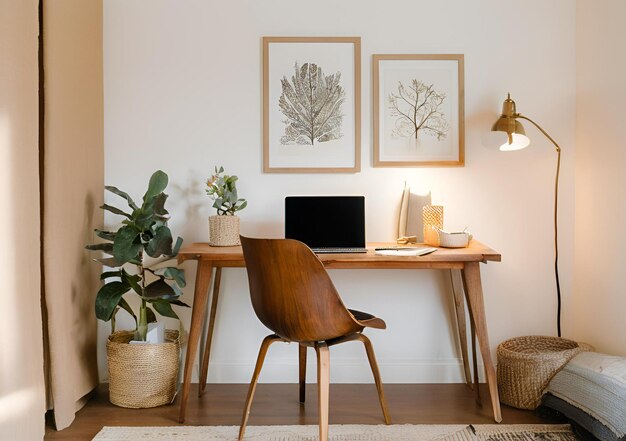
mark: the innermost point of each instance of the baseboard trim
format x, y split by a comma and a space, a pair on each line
342, 371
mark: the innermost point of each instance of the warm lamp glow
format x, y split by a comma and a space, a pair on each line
518, 142
500, 140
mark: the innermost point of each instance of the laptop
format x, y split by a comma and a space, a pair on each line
327, 224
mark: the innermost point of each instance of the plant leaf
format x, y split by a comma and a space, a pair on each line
123, 194
124, 304
107, 247
158, 182
164, 308
144, 217
106, 235
172, 273
109, 261
159, 289
177, 245
115, 210
132, 280
161, 243
108, 298
107, 274
127, 244
179, 303
150, 315
159, 206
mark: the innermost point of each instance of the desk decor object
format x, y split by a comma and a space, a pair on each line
224, 227
411, 216
418, 110
140, 375
456, 239
311, 104
433, 222
508, 134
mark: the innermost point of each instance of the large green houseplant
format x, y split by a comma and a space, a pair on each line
136, 254
143, 232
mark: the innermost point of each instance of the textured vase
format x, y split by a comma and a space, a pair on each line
433, 222
224, 231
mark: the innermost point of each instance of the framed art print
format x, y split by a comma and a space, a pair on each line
418, 110
311, 104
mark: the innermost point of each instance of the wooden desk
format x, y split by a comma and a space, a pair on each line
463, 261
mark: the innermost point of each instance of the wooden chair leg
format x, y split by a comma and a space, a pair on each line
267, 341
369, 349
302, 356
323, 385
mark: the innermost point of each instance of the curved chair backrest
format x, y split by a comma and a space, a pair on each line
291, 292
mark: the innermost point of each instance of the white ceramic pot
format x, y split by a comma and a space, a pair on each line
224, 231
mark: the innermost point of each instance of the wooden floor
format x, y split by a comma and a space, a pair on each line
277, 404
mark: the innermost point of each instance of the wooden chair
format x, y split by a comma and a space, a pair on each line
294, 297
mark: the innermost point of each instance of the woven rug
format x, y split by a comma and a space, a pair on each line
406, 432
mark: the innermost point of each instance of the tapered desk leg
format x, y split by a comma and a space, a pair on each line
474, 293
204, 370
200, 297
459, 308
474, 352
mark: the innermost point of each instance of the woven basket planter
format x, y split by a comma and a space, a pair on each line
527, 364
224, 231
142, 375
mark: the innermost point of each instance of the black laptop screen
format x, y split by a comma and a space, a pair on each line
326, 221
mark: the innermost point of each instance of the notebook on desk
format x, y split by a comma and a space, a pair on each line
327, 224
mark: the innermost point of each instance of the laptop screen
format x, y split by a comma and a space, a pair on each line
326, 221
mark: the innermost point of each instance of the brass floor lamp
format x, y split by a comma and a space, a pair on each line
517, 140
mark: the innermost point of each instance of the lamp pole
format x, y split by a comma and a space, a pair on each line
556, 227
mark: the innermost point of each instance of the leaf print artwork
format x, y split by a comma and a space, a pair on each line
416, 109
312, 105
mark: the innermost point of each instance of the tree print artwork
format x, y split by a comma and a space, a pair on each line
312, 105
417, 110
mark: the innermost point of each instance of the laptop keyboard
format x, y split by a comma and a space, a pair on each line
337, 250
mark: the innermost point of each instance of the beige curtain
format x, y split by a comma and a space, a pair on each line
22, 393
73, 171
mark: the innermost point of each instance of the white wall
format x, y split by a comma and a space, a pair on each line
22, 389
183, 93
599, 295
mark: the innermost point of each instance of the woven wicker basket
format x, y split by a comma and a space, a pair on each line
224, 231
527, 364
142, 375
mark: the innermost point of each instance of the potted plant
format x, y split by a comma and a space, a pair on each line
140, 375
224, 227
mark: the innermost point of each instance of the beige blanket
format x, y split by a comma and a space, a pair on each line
596, 384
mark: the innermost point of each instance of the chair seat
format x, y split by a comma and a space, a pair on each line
368, 320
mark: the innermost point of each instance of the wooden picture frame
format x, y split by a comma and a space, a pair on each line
292, 143
407, 91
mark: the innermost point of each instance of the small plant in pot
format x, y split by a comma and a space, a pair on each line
141, 375
224, 227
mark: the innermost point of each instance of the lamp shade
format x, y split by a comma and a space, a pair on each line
508, 133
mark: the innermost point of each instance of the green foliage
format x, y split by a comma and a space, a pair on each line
144, 231
222, 189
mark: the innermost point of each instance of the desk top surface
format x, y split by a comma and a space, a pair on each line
475, 252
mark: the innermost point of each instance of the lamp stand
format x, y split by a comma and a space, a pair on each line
556, 228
